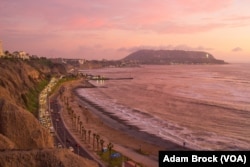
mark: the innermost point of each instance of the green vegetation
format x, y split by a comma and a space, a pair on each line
42, 61
105, 156
142, 152
60, 82
114, 162
31, 98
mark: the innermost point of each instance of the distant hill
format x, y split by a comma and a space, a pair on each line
172, 57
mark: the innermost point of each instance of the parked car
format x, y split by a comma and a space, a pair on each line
71, 149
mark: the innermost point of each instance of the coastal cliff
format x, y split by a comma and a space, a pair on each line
172, 57
22, 138
43, 158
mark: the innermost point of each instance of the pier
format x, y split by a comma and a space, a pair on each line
128, 78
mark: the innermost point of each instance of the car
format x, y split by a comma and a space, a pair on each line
71, 149
59, 145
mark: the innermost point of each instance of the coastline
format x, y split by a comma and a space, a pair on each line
119, 124
127, 139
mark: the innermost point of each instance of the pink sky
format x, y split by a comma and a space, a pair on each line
111, 29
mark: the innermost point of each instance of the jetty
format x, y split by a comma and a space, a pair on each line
112, 78
101, 78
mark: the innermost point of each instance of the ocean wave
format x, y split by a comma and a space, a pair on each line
154, 125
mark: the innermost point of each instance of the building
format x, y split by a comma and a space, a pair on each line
21, 55
81, 61
1, 50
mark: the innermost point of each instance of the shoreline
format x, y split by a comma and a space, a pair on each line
119, 124
139, 146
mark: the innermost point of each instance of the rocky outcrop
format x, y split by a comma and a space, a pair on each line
172, 57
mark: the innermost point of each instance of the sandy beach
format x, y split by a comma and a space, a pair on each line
126, 138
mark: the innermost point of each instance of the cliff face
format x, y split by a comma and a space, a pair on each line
19, 129
172, 57
16, 79
43, 158
17, 125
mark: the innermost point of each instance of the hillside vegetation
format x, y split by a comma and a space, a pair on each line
23, 141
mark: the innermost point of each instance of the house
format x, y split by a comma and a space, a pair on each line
21, 55
81, 61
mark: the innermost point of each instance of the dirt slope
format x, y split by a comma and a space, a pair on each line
43, 158
19, 128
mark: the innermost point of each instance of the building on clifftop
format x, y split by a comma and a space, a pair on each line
21, 55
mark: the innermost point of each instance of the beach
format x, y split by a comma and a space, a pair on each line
126, 138
205, 106
165, 108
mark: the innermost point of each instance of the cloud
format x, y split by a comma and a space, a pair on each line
203, 6
102, 26
237, 49
184, 28
237, 21
167, 47
110, 14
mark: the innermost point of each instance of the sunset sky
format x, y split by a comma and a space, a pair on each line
111, 29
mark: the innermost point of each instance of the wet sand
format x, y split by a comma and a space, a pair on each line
113, 129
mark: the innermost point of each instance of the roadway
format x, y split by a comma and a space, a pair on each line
62, 136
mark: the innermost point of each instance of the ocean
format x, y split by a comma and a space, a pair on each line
205, 106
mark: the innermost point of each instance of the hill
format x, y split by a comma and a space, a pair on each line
172, 57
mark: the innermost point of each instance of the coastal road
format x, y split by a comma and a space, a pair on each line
62, 135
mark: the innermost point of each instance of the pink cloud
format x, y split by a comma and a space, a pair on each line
155, 15
51, 24
166, 47
203, 6
237, 49
237, 21
130, 14
188, 28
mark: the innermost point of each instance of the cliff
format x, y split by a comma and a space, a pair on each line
21, 128
20, 83
172, 57
43, 158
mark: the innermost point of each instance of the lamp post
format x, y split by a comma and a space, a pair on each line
64, 136
57, 120
110, 146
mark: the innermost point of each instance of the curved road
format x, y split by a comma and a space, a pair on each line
62, 135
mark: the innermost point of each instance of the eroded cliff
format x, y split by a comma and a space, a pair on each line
23, 141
